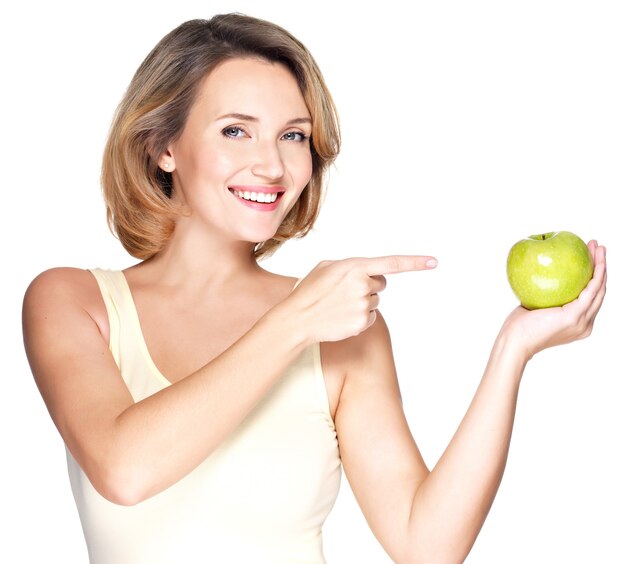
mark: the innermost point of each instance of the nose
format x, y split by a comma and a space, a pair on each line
268, 162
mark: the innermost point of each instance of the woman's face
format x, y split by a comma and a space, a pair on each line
244, 156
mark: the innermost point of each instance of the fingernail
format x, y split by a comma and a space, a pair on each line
431, 263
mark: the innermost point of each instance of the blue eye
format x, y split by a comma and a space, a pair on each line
233, 132
295, 136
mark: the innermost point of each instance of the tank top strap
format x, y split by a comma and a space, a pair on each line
126, 341
112, 295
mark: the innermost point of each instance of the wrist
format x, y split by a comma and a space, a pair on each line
285, 326
508, 351
516, 338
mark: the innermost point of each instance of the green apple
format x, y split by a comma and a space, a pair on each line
549, 270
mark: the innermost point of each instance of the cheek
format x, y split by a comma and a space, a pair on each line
222, 162
303, 170
209, 171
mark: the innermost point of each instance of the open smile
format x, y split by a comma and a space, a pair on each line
259, 199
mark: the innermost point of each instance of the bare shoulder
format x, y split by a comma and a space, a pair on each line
62, 289
360, 365
60, 281
352, 355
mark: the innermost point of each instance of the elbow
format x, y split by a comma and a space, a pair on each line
119, 473
120, 494
431, 557
429, 546
426, 553
120, 484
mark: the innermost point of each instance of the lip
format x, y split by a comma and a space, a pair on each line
279, 190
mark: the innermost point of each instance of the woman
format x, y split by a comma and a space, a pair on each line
205, 402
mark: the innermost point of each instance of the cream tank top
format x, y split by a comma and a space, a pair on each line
261, 497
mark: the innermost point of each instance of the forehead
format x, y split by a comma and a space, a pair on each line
252, 86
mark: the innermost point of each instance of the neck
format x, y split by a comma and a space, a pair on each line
194, 260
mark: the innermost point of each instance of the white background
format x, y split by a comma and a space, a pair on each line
466, 126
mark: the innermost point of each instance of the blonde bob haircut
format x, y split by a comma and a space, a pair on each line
153, 112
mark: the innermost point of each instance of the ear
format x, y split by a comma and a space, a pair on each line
166, 161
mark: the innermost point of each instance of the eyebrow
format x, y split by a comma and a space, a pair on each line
246, 117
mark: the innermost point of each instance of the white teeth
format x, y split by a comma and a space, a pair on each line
266, 198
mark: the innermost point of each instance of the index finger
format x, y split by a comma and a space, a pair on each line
393, 264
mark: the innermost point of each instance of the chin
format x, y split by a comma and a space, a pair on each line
258, 236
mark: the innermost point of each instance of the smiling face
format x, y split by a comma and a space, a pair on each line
244, 156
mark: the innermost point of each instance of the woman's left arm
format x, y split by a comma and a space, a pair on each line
421, 516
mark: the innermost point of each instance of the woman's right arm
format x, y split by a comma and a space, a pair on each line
131, 451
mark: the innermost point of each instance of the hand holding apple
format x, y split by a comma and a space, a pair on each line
550, 269
530, 331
